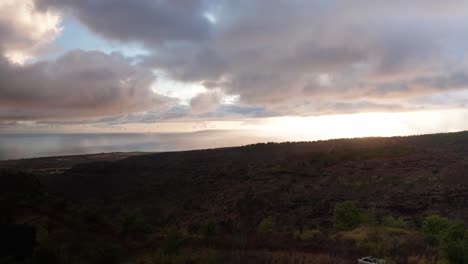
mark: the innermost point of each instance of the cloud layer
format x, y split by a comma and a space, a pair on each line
284, 57
150, 22
78, 84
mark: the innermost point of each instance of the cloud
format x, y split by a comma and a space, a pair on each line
78, 84
271, 54
147, 21
205, 102
25, 30
282, 57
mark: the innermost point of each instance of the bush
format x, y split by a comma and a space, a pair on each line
455, 252
205, 256
267, 225
45, 255
133, 225
450, 237
173, 242
308, 234
347, 215
434, 225
107, 254
371, 218
454, 243
432, 228
92, 216
390, 221
208, 229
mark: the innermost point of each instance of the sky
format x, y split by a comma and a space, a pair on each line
279, 69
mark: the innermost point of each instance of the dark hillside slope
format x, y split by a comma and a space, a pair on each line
295, 183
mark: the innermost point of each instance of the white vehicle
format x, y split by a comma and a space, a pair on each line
370, 260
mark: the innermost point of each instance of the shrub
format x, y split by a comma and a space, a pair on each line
45, 255
390, 221
308, 234
92, 216
422, 260
173, 242
205, 256
454, 231
455, 252
347, 215
133, 225
208, 228
371, 218
17, 241
267, 225
107, 254
432, 227
450, 237
454, 243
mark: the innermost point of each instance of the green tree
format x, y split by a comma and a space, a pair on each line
347, 215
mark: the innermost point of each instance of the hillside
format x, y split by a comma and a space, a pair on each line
297, 185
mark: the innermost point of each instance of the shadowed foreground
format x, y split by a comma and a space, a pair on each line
308, 202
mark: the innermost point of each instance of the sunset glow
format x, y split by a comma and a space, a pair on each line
231, 66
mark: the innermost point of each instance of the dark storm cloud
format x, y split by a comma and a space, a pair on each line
78, 84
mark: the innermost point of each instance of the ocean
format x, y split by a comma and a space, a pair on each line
18, 146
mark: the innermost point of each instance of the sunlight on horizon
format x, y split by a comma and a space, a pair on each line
363, 125
288, 128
